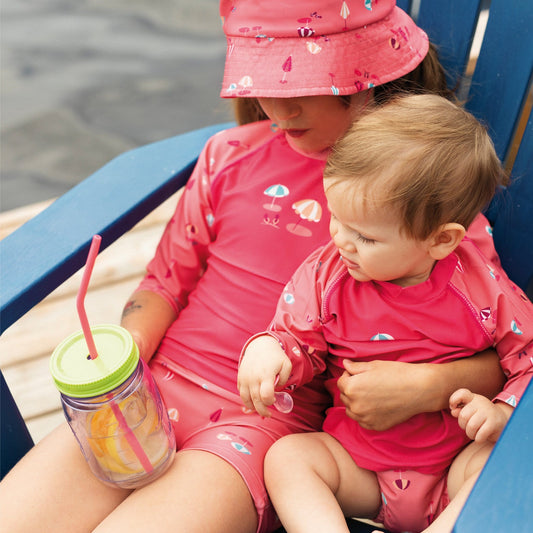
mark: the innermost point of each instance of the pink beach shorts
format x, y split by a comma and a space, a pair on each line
209, 418
411, 500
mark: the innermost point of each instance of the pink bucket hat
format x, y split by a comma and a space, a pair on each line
287, 48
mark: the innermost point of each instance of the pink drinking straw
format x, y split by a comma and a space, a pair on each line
80, 301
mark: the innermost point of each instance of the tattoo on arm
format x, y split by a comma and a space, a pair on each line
131, 306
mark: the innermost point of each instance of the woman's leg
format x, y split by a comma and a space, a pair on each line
313, 483
52, 489
200, 492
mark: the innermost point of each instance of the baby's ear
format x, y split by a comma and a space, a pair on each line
445, 240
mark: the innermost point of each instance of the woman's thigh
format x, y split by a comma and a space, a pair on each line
200, 492
53, 489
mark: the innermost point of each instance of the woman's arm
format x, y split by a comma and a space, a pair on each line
381, 394
147, 316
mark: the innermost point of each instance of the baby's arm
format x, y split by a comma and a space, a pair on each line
293, 349
263, 360
481, 419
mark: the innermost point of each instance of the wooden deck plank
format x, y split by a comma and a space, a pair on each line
41, 426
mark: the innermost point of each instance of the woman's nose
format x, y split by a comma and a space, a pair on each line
285, 108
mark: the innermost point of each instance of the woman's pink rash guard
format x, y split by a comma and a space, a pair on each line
252, 211
467, 305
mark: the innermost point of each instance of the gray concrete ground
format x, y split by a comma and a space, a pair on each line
84, 80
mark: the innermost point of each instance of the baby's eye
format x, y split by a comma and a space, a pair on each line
365, 240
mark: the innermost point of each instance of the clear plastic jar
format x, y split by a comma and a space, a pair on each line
114, 407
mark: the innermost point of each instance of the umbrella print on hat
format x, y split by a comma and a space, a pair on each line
308, 210
245, 82
287, 67
334, 89
275, 191
313, 47
305, 31
345, 12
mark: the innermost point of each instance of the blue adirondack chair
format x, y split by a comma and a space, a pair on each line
116, 197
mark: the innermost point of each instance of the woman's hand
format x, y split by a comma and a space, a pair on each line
379, 394
262, 362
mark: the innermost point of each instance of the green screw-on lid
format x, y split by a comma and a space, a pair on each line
76, 374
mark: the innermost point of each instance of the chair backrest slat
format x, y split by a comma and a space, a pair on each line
451, 25
502, 78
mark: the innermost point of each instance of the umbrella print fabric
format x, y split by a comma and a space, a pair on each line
345, 12
275, 191
309, 210
287, 67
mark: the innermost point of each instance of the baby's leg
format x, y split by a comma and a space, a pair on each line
463, 473
313, 483
52, 489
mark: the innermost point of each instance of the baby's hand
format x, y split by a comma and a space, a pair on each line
481, 419
262, 362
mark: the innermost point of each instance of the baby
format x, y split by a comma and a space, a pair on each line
399, 281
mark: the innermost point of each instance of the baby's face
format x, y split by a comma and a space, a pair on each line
370, 242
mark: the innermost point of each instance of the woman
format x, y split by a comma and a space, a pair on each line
251, 212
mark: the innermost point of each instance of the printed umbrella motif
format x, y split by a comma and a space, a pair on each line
245, 82
215, 416
173, 414
334, 89
485, 313
308, 210
382, 337
305, 31
515, 327
313, 47
345, 12
275, 191
287, 67
241, 448
401, 483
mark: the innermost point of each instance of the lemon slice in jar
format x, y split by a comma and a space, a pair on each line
110, 445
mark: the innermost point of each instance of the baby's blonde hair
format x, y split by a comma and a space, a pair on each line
423, 156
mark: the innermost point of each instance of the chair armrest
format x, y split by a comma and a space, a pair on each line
506, 479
